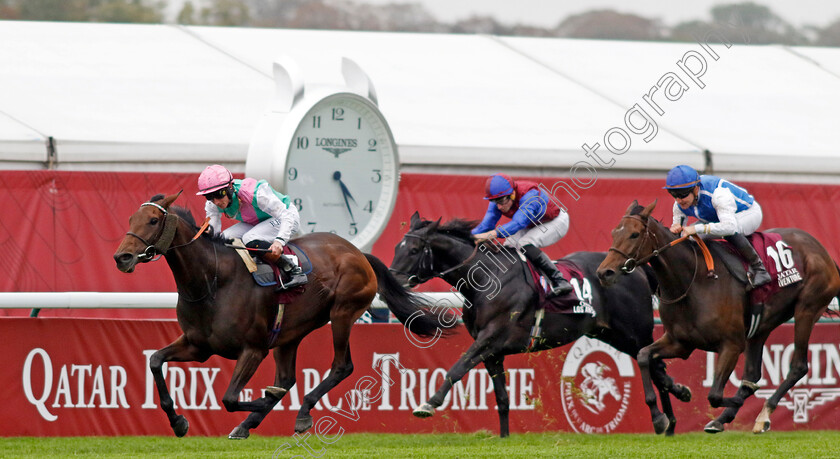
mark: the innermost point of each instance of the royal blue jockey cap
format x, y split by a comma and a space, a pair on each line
681, 176
497, 186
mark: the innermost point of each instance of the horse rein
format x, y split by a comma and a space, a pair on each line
166, 234
427, 250
632, 263
164, 244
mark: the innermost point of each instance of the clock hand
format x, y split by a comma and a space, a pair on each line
345, 193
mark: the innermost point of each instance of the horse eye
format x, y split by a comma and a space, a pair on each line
153, 221
414, 251
634, 235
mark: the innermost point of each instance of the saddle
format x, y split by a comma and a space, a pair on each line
269, 274
569, 303
784, 272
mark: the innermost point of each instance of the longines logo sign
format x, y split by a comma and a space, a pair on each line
336, 146
817, 388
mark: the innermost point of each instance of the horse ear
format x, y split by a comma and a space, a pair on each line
167, 201
633, 205
649, 209
415, 220
433, 227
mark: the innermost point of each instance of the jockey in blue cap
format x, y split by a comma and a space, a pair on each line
723, 209
535, 221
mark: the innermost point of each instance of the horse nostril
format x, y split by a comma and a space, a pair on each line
122, 258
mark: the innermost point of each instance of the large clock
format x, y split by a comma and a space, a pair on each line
332, 153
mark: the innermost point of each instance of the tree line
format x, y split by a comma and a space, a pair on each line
754, 20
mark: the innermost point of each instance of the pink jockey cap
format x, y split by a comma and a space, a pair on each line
213, 178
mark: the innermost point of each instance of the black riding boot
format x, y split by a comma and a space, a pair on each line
292, 276
295, 274
759, 274
559, 285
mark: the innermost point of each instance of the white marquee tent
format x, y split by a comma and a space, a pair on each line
169, 98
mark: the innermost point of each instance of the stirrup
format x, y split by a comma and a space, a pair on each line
759, 278
296, 279
560, 288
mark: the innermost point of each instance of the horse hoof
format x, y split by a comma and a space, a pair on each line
661, 424
713, 427
684, 394
424, 411
180, 426
239, 433
761, 427
303, 424
276, 392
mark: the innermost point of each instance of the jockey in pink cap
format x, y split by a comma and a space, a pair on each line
267, 218
535, 221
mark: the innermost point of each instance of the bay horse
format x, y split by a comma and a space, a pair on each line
500, 321
222, 311
712, 314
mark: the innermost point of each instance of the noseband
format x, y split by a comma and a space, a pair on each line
164, 239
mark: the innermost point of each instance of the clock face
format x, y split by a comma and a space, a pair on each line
341, 169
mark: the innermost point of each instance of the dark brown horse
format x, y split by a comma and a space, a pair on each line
711, 314
502, 306
223, 312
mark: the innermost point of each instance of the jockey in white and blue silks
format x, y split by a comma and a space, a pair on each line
723, 209
535, 221
267, 218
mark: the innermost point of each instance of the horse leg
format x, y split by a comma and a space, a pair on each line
342, 366
246, 365
749, 380
468, 360
798, 368
179, 351
284, 361
496, 368
664, 385
727, 359
648, 357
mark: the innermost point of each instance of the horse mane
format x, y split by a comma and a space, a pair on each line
458, 228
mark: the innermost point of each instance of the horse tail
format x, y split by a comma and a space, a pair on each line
411, 309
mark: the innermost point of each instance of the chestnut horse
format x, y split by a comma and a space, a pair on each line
712, 314
222, 311
502, 305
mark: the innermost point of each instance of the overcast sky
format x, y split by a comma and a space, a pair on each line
547, 13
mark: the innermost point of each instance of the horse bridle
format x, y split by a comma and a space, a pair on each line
165, 236
632, 263
164, 239
427, 251
164, 244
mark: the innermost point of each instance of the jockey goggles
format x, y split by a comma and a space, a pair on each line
218, 194
680, 193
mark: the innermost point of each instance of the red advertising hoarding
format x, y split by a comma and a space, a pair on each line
67, 377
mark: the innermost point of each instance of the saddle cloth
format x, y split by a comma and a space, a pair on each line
569, 303
269, 274
778, 259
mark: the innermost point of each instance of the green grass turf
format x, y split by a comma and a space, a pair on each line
803, 444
